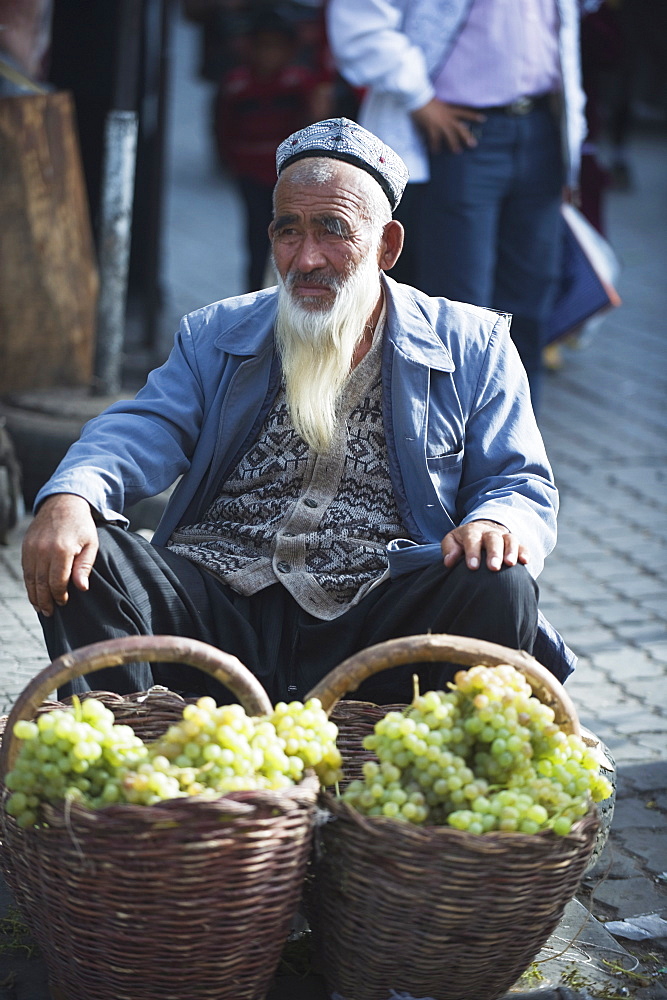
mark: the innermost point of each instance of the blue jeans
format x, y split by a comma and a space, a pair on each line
488, 225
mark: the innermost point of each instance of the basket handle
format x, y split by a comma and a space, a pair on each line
112, 652
349, 674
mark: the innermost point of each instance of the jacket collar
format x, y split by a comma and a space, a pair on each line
251, 331
411, 319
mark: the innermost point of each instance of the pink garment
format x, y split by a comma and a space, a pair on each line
506, 49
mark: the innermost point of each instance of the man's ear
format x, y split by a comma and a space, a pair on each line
391, 244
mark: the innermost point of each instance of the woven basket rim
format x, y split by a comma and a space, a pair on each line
235, 805
381, 825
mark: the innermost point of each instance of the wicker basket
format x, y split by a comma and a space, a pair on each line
186, 900
433, 911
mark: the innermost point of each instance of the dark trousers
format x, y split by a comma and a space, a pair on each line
140, 589
405, 268
488, 226
258, 208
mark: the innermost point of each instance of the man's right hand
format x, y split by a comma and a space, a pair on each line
441, 122
60, 545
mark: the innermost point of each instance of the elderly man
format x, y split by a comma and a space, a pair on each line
357, 462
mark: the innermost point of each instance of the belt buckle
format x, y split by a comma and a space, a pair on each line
522, 106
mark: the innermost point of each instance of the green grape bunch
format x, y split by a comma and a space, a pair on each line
484, 755
81, 754
73, 754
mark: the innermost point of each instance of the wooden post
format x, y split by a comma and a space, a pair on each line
48, 273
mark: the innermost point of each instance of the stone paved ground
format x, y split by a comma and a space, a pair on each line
604, 420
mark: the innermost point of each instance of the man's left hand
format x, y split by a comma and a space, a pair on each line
471, 540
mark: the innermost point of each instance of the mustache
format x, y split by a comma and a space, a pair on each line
320, 278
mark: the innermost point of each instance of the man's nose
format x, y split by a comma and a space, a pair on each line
310, 255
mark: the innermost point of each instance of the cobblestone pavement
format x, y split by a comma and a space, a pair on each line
604, 421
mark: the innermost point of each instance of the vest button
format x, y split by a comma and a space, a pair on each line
284, 567
308, 502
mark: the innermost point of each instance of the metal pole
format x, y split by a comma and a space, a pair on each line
114, 251
159, 18
117, 198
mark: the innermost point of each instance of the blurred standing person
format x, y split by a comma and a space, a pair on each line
483, 100
270, 95
222, 26
602, 56
25, 35
601, 53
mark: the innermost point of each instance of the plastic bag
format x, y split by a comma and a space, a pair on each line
651, 925
589, 273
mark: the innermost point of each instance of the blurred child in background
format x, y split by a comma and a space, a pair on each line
268, 96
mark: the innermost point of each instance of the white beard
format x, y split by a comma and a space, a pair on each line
317, 346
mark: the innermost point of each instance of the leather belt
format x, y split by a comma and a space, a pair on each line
522, 106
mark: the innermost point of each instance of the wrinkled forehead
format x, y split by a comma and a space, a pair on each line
327, 173
325, 185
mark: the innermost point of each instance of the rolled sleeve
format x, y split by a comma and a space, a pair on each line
506, 473
371, 50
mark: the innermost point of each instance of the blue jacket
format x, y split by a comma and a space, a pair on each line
462, 439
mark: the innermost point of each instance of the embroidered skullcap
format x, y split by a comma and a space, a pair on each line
342, 139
